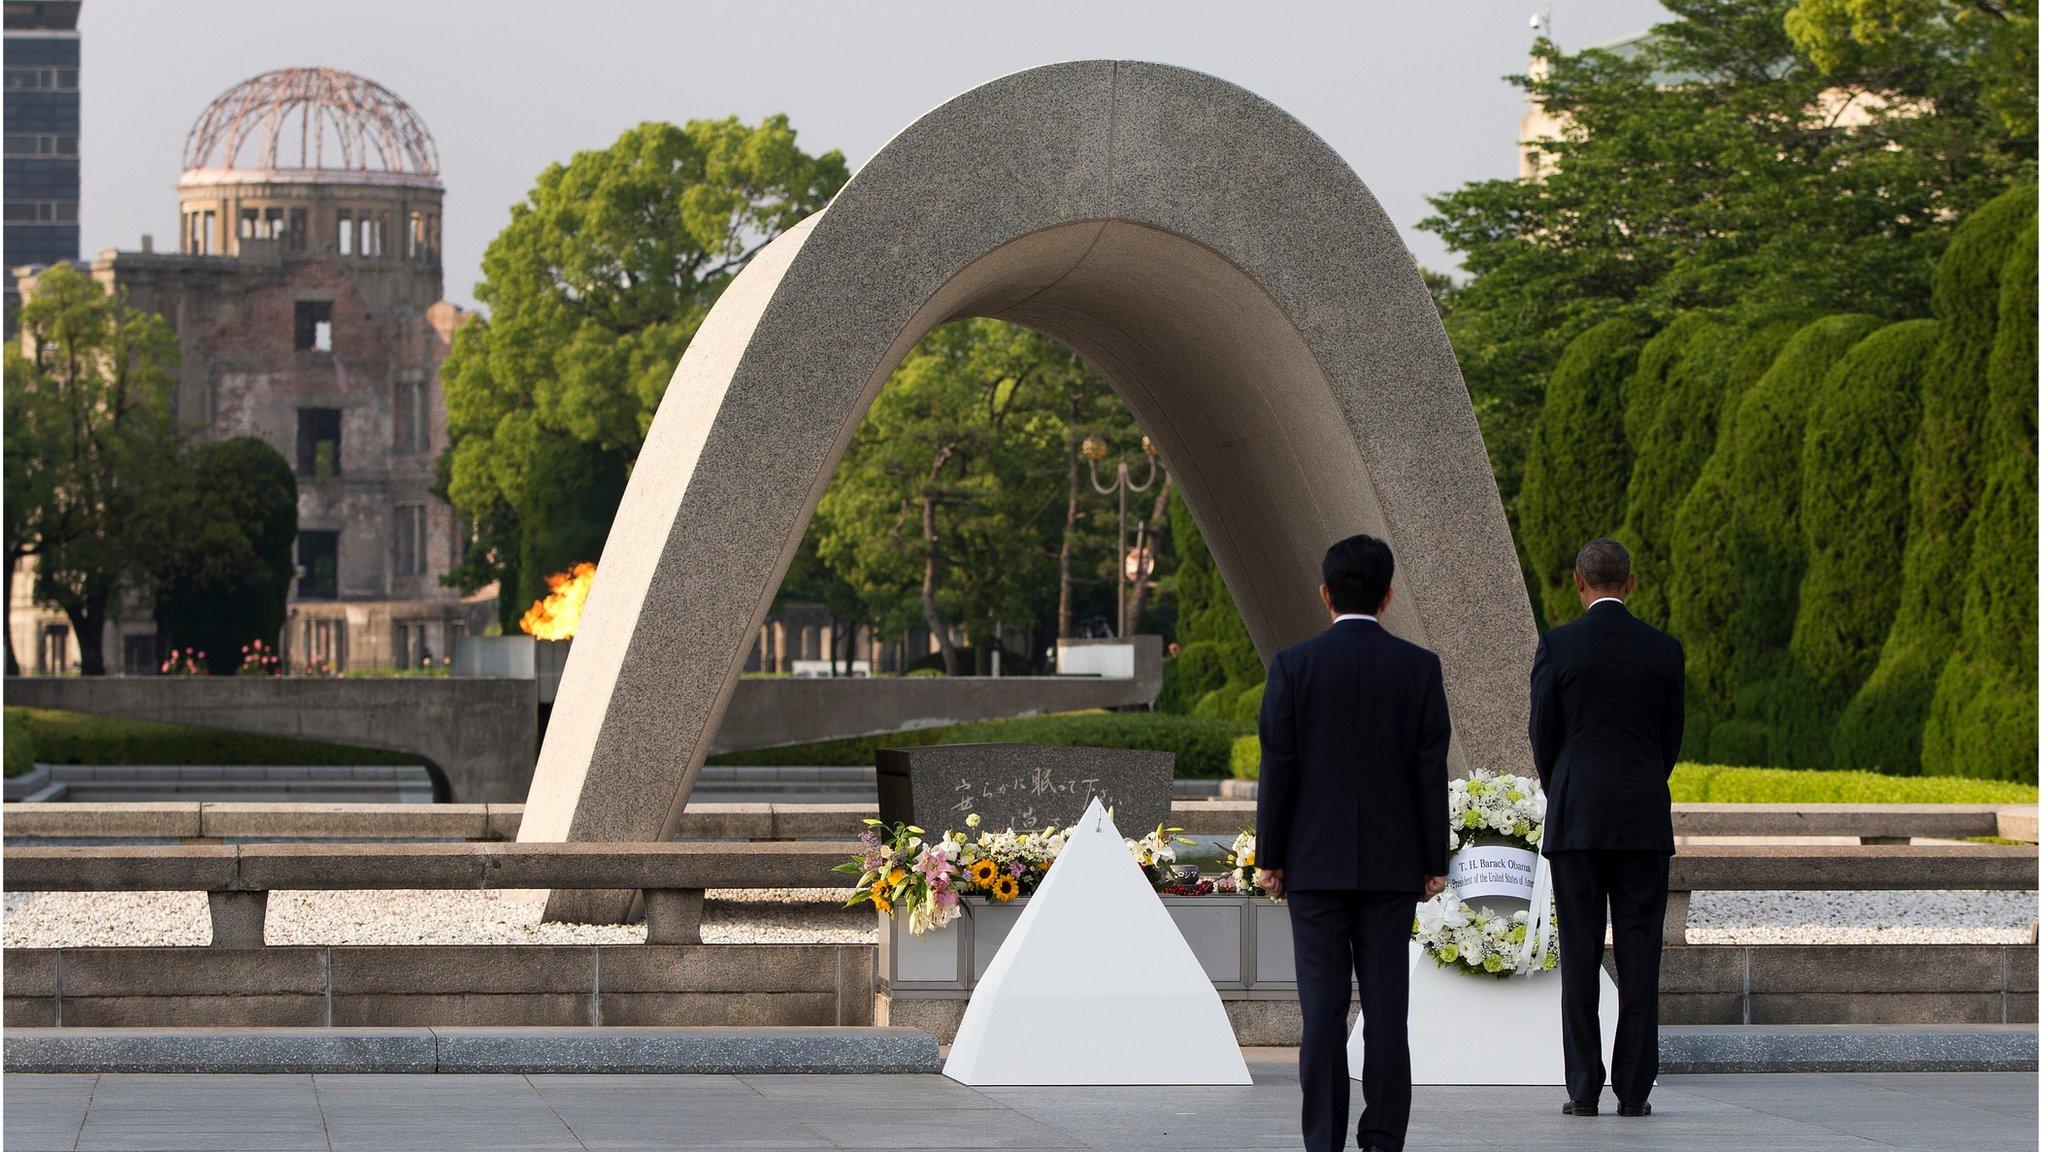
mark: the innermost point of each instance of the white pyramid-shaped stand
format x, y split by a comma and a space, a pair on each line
1466, 1029
1095, 985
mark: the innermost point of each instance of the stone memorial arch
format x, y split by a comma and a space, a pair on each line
1231, 276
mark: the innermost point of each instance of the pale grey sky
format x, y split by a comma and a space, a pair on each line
1408, 91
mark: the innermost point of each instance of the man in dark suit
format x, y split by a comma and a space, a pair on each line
1606, 713
1354, 828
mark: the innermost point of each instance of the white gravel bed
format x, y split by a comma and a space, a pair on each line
798, 916
1862, 917
405, 916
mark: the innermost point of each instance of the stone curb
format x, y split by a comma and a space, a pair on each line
1736, 1048
458, 1050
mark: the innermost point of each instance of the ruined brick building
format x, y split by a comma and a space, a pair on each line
305, 289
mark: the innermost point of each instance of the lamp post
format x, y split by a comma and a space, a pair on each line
1097, 450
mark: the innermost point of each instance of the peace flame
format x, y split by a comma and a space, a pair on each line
555, 616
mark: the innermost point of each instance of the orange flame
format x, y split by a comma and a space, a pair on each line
555, 616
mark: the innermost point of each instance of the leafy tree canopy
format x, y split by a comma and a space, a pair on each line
1717, 166
89, 431
594, 287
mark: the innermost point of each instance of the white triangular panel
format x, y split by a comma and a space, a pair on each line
1095, 985
1466, 1029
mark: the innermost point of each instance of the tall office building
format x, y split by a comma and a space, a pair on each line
42, 137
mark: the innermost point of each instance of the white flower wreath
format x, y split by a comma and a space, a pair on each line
1497, 810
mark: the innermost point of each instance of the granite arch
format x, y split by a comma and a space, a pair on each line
1224, 268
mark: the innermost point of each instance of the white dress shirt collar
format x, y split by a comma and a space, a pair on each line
1355, 616
1605, 600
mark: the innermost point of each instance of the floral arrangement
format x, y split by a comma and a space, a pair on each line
1488, 808
1478, 939
184, 662
1244, 859
898, 868
1496, 809
1155, 853
258, 659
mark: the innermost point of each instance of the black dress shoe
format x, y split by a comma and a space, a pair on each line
1642, 1109
1574, 1108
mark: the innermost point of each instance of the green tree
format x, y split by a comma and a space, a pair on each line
1694, 365
1853, 505
594, 288
1984, 718
1579, 460
1218, 662
1882, 726
33, 425
92, 380
1712, 166
1911, 44
219, 557
948, 508
1737, 552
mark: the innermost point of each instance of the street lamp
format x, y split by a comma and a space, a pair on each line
1097, 450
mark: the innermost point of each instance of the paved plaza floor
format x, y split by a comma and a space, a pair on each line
1980, 1112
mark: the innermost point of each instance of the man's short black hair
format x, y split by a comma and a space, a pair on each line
1358, 570
1604, 563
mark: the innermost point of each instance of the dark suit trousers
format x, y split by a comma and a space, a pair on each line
1339, 935
1634, 886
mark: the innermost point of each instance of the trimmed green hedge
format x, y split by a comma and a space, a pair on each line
1217, 660
75, 738
20, 747
1200, 746
1714, 783
1690, 362
1575, 482
1737, 555
1983, 721
1719, 784
1883, 725
1244, 757
1854, 473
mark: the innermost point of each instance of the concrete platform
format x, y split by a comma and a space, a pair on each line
691, 1051
1685, 1050
1982, 1112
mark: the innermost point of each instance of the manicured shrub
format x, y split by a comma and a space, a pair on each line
1246, 707
1217, 705
1883, 724
1737, 553
1659, 366
1983, 721
1244, 758
1716, 784
1854, 472
20, 747
1196, 672
1575, 483
1697, 363
75, 738
1200, 746
1208, 615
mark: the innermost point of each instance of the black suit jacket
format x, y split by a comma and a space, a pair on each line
1606, 715
1353, 734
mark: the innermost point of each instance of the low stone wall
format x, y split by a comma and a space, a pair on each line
743, 985
1776, 984
408, 986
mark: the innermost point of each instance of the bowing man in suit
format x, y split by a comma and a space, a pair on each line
1353, 826
1606, 713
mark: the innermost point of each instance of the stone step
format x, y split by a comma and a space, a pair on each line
1684, 1049
501, 1050
1737, 1048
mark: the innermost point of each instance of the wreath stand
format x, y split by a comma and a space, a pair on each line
1465, 1028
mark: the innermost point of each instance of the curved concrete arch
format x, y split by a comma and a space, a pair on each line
1229, 274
